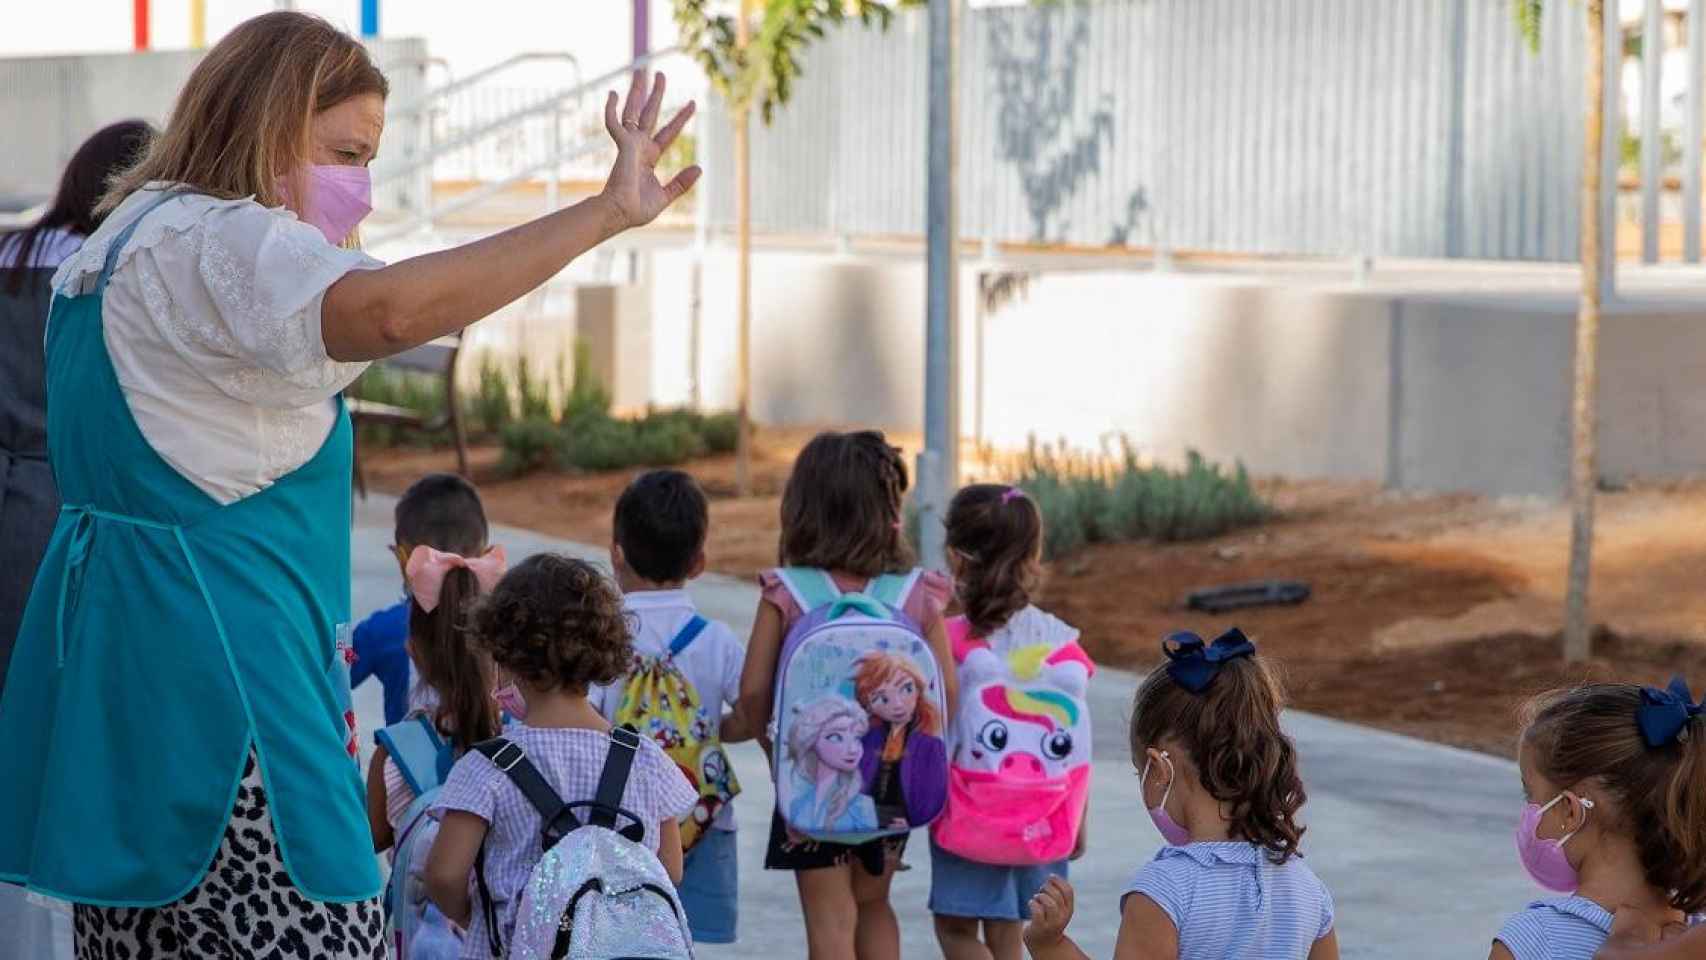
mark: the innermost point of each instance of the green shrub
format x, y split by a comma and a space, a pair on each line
1085, 501
720, 431
586, 396
534, 394
598, 442
529, 445
490, 407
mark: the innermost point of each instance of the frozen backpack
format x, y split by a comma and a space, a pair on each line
413, 924
596, 893
660, 702
1020, 771
858, 716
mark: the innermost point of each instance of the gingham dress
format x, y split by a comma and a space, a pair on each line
572, 761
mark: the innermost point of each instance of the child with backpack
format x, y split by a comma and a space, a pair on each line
1220, 781
686, 668
1615, 778
1019, 774
441, 511
561, 835
848, 672
413, 756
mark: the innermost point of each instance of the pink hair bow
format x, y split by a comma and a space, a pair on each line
427, 569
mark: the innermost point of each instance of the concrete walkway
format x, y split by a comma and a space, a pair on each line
1413, 839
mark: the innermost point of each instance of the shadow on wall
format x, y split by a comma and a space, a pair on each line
1034, 62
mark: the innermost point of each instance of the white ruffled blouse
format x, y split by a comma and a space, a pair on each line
212, 321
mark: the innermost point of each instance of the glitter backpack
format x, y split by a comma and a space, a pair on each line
597, 892
659, 701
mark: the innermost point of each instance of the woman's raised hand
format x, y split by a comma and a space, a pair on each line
634, 193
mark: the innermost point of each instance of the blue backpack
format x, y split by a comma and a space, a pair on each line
413, 924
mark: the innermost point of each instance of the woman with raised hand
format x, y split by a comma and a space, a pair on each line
178, 737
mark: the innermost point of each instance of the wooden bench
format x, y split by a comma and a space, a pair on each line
437, 358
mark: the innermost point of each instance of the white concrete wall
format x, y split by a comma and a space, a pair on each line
1408, 386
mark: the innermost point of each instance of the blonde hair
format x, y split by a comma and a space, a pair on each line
809, 722
242, 122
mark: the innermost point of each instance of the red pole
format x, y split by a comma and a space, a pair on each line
139, 15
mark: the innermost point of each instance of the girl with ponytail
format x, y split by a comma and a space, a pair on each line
1615, 778
457, 678
1006, 651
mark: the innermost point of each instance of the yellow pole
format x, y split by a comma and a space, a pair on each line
198, 24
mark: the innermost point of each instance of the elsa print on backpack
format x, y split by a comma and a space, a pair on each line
858, 705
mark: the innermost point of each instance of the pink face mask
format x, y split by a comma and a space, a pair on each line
338, 198
511, 700
1171, 831
1544, 859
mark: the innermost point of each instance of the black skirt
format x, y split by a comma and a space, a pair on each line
785, 854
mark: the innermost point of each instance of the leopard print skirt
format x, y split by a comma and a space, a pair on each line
245, 908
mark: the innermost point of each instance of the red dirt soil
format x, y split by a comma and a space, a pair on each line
1435, 616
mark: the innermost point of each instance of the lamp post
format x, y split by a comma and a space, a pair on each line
938, 465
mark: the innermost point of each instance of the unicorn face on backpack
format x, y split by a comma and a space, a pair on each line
1021, 764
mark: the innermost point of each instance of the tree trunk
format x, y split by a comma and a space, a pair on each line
1584, 473
743, 243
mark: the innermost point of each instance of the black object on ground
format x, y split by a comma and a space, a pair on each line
1263, 593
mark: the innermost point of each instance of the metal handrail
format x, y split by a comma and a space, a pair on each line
559, 156
553, 103
426, 100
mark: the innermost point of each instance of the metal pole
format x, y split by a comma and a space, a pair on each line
369, 19
1652, 145
1692, 131
198, 24
743, 271
1611, 149
642, 29
938, 469
139, 23
552, 183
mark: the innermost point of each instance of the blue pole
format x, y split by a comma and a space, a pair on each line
369, 19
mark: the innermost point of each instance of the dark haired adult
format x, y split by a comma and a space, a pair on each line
197, 585
29, 501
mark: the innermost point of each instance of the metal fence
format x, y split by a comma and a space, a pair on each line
1384, 127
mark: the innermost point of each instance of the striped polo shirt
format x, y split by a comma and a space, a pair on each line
1560, 928
1228, 900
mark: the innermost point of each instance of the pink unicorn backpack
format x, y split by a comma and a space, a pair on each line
1019, 760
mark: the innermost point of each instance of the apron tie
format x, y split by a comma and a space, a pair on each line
77, 553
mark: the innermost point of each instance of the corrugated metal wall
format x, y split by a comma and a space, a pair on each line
1387, 127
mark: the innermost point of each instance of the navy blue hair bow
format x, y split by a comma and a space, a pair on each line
1194, 664
1664, 714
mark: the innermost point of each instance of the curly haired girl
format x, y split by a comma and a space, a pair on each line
1219, 779
556, 627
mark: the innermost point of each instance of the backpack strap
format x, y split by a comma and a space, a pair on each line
613, 782
690, 632
416, 748
894, 588
810, 587
555, 816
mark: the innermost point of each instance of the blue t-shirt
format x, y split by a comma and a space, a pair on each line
380, 651
1229, 902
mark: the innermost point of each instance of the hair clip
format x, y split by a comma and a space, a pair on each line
1011, 494
1664, 715
1193, 664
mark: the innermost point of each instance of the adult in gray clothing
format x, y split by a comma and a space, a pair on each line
29, 502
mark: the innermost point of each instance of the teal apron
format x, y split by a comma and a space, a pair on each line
167, 636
